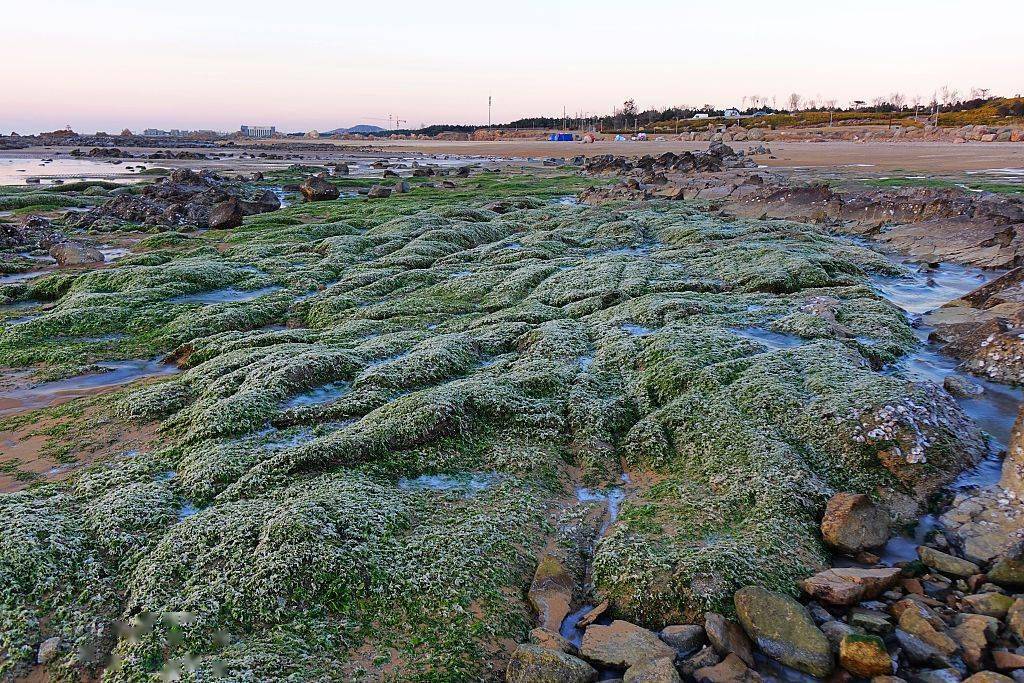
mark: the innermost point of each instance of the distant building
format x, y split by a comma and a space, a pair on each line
700, 116
156, 133
258, 131
731, 113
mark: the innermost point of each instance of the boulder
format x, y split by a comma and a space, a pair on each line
225, 215
988, 676
728, 637
835, 631
1007, 661
947, 675
533, 664
783, 629
379, 192
1015, 619
971, 635
918, 652
702, 659
865, 656
850, 585
341, 168
1009, 569
911, 621
853, 523
622, 644
731, 670
962, 387
316, 189
401, 187
542, 637
551, 591
73, 253
946, 563
684, 638
653, 671
49, 649
990, 604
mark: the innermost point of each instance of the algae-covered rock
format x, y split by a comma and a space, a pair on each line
783, 629
865, 656
533, 664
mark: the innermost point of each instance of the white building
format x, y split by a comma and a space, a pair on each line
731, 113
258, 131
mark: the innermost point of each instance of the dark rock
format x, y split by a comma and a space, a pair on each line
225, 215
315, 189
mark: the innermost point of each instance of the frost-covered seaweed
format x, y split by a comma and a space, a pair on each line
432, 338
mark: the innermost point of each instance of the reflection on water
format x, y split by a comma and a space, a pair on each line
220, 296
17, 171
113, 374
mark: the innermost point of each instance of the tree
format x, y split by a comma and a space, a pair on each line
897, 100
794, 102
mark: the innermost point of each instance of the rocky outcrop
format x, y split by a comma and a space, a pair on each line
317, 189
186, 198
73, 253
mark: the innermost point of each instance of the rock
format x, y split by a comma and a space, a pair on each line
871, 621
225, 215
622, 644
1015, 619
853, 523
48, 650
848, 586
946, 563
835, 631
865, 656
888, 679
542, 637
730, 670
988, 676
962, 387
684, 638
727, 637
1009, 569
73, 253
991, 625
971, 635
341, 169
1007, 661
990, 604
379, 192
551, 591
947, 675
704, 658
533, 664
783, 629
912, 622
919, 652
401, 187
315, 189
653, 671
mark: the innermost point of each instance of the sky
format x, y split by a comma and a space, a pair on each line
317, 64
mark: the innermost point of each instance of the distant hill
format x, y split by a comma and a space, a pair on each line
361, 128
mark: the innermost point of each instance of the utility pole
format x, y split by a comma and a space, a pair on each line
488, 111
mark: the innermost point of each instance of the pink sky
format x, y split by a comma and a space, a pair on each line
111, 64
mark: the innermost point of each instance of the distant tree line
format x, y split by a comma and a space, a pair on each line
629, 116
